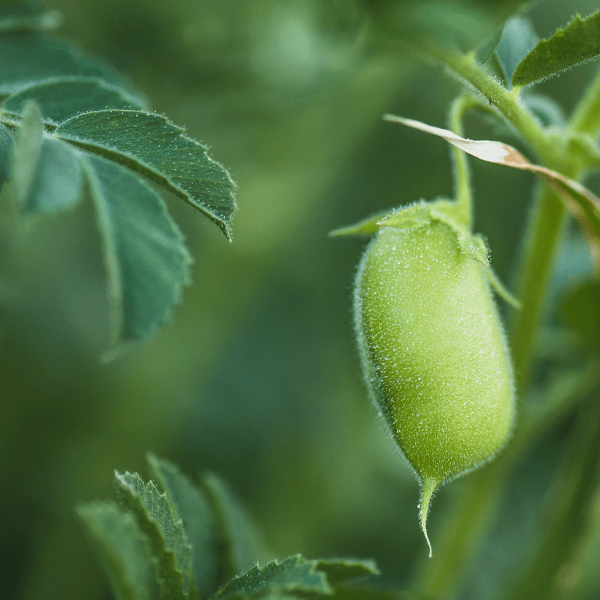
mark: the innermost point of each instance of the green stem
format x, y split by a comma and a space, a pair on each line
541, 242
462, 175
552, 571
507, 103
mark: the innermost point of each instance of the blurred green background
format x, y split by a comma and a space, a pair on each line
256, 376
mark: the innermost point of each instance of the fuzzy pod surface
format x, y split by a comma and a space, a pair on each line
433, 350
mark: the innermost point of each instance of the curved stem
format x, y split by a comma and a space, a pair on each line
507, 103
462, 175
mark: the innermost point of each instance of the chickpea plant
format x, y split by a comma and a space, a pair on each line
444, 371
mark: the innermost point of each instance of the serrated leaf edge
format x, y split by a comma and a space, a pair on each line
135, 164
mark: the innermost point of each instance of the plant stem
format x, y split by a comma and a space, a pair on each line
507, 103
541, 241
462, 175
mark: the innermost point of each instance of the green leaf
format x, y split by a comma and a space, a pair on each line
291, 575
28, 147
158, 149
577, 42
548, 112
518, 39
6, 151
29, 57
18, 16
240, 542
156, 517
488, 46
199, 523
47, 172
581, 311
343, 570
146, 260
64, 98
58, 180
123, 550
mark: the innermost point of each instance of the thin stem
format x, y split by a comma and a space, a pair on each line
507, 103
541, 242
462, 174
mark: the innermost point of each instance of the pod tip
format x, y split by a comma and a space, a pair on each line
428, 486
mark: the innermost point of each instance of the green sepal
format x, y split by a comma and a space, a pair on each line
421, 214
445, 211
368, 226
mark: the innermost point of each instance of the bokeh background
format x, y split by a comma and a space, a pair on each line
256, 376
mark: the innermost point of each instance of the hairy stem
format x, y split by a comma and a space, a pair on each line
542, 238
462, 175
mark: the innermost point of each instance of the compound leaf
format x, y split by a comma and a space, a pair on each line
146, 260
62, 99
156, 517
150, 144
198, 521
577, 42
123, 549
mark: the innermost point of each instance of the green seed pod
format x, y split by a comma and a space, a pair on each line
432, 346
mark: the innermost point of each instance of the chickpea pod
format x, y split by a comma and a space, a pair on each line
432, 347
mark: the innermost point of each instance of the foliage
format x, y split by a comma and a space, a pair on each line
146, 553
80, 130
